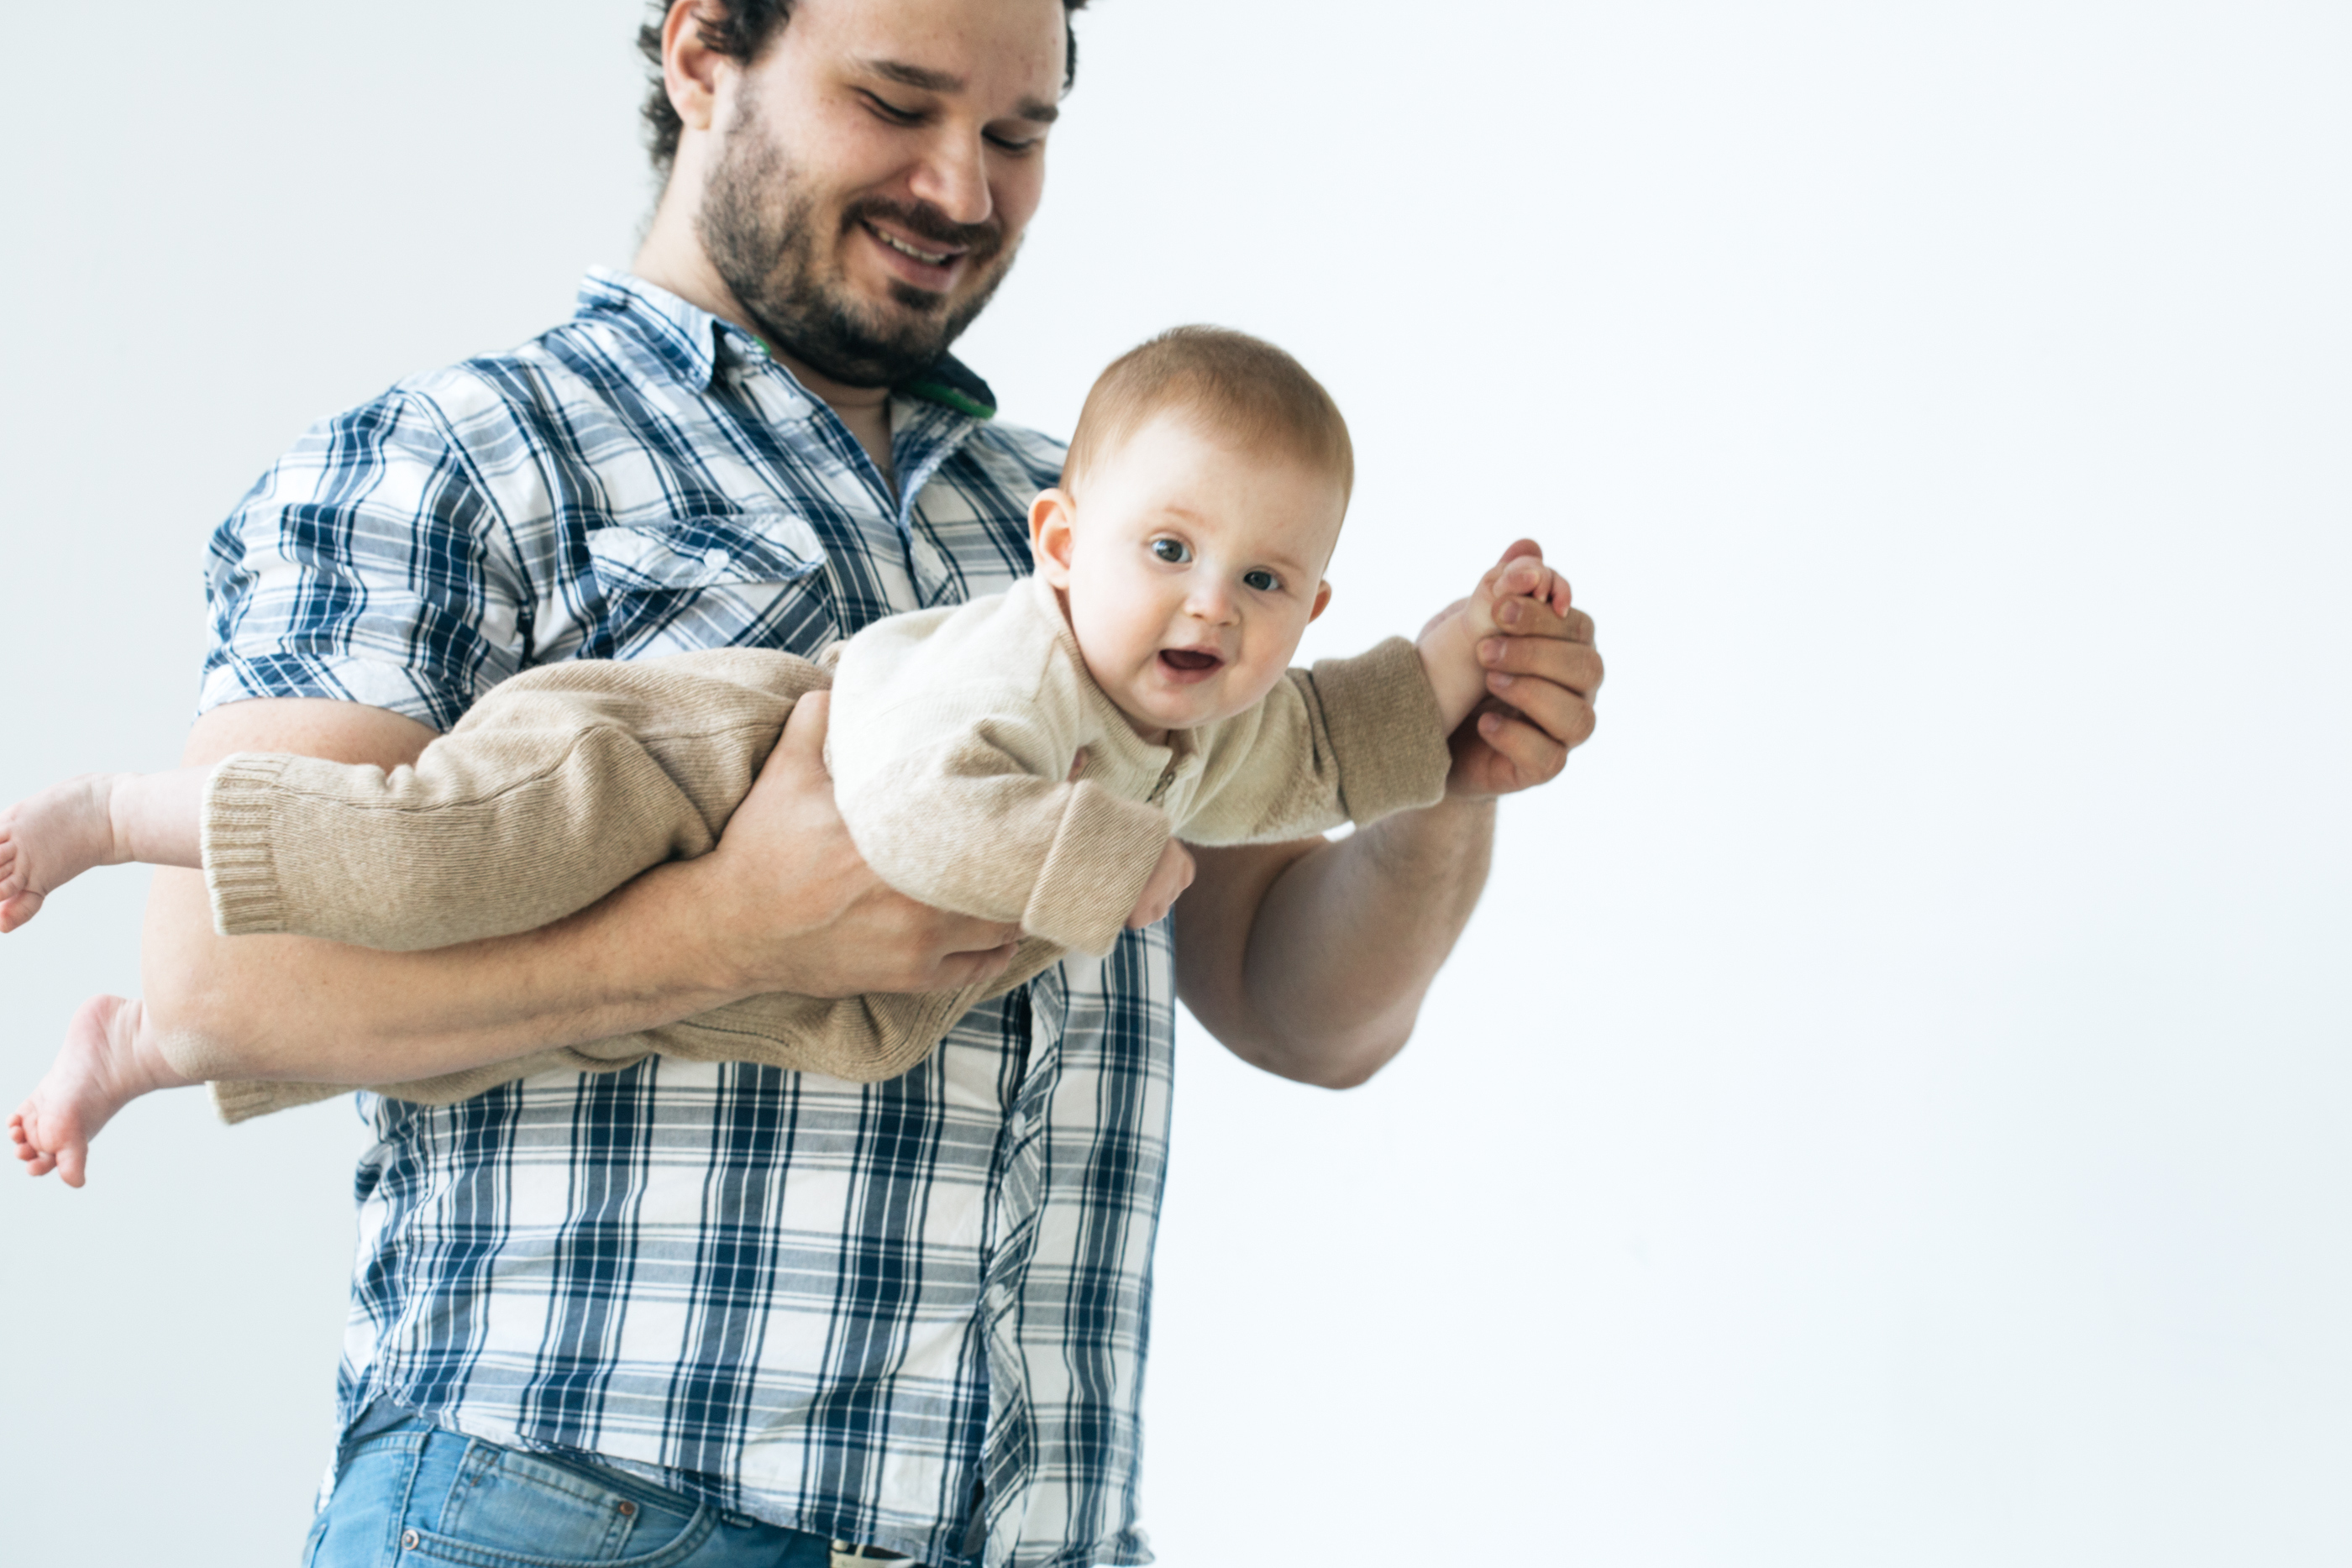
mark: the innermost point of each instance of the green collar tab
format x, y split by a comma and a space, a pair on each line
950, 383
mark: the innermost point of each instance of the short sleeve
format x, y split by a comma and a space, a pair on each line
369, 565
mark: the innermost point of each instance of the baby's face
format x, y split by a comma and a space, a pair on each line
1191, 567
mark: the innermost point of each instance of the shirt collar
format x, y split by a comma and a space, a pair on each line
693, 343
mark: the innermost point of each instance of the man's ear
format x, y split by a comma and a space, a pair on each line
690, 67
1322, 599
1052, 518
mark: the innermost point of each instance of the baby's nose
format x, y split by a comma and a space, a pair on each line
1211, 602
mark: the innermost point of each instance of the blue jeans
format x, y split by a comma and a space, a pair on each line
414, 1494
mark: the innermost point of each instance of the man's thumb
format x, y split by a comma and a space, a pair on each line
805, 725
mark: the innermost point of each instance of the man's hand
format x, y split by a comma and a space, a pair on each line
1310, 959
1171, 877
1541, 677
796, 908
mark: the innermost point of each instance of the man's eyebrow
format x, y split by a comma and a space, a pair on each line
924, 79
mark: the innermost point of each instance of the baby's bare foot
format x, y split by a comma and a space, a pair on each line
49, 839
109, 1060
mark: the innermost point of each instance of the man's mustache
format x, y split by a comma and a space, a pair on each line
925, 221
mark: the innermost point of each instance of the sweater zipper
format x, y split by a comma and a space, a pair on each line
1167, 777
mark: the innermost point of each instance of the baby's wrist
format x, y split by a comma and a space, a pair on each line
1449, 657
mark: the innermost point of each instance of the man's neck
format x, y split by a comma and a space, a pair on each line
671, 258
865, 409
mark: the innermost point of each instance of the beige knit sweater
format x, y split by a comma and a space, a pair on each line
951, 740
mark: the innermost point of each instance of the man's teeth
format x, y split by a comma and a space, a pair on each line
899, 245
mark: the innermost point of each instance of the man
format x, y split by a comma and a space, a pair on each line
713, 1315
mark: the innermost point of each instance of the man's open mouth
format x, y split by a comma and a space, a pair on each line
927, 257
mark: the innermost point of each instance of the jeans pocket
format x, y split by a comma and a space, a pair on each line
359, 1526
310, 1542
509, 1510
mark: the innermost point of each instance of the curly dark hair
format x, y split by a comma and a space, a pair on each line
739, 29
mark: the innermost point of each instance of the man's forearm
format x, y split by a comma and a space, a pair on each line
1311, 960
291, 1007
784, 904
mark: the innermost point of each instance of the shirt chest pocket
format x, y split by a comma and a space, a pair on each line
755, 579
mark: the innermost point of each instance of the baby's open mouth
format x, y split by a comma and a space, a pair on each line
1188, 661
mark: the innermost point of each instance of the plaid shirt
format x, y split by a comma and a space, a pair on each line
852, 1310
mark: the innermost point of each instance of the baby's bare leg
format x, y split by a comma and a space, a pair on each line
109, 1060
100, 819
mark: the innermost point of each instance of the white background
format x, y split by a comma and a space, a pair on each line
1889, 1108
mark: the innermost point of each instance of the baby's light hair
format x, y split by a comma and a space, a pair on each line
1234, 384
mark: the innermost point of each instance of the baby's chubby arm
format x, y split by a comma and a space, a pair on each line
1449, 645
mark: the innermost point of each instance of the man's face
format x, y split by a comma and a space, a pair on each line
878, 165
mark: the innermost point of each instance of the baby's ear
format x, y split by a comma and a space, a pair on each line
1052, 517
1322, 600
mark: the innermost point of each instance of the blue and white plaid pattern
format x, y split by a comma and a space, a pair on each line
846, 1309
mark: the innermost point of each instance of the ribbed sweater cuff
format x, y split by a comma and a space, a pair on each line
1103, 853
240, 866
1382, 719
242, 1101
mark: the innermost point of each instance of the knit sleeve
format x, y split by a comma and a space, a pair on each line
1351, 739
969, 808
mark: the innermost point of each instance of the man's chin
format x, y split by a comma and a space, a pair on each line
863, 362
927, 303
870, 331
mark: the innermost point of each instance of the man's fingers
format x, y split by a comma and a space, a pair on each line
943, 932
1535, 618
1575, 665
804, 726
956, 971
1559, 713
1528, 755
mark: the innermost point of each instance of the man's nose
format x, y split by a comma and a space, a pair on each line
953, 176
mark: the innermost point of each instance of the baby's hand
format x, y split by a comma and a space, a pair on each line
1449, 643
1522, 576
1171, 876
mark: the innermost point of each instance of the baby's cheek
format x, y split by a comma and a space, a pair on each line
1249, 685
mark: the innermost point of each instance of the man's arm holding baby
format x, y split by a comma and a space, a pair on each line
1310, 959
784, 904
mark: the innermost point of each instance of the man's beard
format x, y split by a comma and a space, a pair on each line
758, 225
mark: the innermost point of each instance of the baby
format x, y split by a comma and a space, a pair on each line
1029, 757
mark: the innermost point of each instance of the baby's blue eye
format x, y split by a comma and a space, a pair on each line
1172, 551
1261, 580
